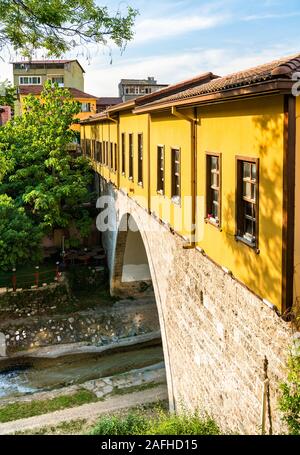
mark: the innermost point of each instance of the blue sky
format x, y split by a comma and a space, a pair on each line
178, 39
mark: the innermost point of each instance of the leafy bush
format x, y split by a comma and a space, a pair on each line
160, 423
185, 424
132, 424
289, 402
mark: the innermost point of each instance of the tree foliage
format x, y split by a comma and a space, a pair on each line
7, 94
59, 25
40, 175
290, 396
20, 238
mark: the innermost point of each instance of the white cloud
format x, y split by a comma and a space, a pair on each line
256, 17
159, 27
103, 81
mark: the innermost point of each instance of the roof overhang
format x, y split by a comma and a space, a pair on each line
262, 88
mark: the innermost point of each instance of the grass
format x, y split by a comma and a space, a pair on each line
74, 427
151, 419
21, 410
137, 422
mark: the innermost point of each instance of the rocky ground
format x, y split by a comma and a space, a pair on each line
98, 325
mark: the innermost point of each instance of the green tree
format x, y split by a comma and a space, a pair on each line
60, 25
289, 402
20, 238
51, 184
7, 94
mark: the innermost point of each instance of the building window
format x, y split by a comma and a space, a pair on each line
115, 157
30, 80
58, 80
130, 176
85, 107
247, 200
111, 148
101, 152
123, 154
106, 153
160, 187
98, 152
140, 159
88, 147
175, 175
83, 146
213, 189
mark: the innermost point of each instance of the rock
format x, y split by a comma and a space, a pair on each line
2, 345
71, 320
58, 338
107, 389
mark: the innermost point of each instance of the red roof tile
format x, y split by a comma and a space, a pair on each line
37, 89
278, 69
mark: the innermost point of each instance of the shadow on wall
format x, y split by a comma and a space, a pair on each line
262, 270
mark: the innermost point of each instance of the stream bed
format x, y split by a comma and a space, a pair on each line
27, 375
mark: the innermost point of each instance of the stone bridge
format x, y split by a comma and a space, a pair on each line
220, 341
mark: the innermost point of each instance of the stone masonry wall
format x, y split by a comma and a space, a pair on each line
37, 301
216, 334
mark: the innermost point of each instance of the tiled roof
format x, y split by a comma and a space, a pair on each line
175, 88
109, 101
37, 89
278, 69
100, 116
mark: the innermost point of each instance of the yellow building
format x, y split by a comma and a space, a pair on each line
30, 76
215, 159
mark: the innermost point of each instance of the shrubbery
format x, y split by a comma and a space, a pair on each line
161, 423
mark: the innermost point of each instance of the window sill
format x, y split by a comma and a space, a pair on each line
160, 192
123, 174
130, 179
251, 245
140, 184
213, 223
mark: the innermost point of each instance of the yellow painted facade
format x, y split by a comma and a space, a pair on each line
252, 128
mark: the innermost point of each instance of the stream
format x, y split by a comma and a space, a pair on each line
27, 375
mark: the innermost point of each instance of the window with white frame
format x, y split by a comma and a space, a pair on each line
30, 80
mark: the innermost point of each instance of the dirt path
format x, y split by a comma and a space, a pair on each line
86, 411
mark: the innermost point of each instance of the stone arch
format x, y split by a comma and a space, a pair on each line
130, 268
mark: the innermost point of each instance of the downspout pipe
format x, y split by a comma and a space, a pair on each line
193, 121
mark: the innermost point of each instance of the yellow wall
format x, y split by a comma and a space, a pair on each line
135, 124
85, 115
252, 128
72, 73
297, 209
171, 132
